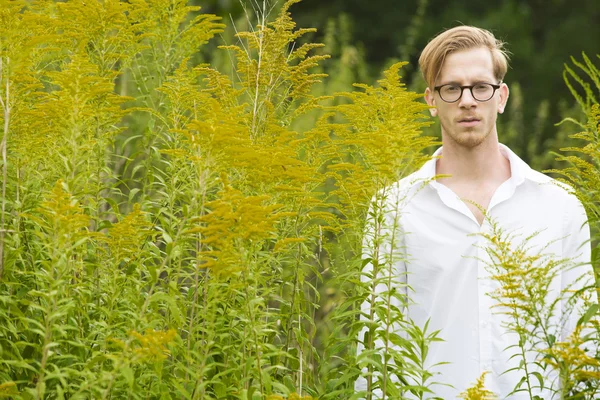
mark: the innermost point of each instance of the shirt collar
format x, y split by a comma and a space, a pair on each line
519, 170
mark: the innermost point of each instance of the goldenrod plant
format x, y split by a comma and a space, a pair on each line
582, 160
583, 173
478, 391
536, 313
375, 146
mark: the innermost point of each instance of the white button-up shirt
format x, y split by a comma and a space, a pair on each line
446, 269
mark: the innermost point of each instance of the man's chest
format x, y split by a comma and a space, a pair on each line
449, 256
445, 238
476, 198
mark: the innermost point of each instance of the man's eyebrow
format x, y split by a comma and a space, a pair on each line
473, 82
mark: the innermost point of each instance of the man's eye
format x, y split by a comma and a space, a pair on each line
481, 86
451, 88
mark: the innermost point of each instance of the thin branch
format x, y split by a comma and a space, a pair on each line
260, 53
6, 107
237, 33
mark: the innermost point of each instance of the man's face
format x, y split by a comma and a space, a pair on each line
468, 122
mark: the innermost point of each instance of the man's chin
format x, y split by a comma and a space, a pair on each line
470, 139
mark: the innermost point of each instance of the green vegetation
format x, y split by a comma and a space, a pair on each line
171, 230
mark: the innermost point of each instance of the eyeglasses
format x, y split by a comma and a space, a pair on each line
451, 92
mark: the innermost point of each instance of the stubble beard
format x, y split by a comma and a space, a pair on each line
469, 138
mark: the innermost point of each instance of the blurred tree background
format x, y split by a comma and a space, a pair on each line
364, 37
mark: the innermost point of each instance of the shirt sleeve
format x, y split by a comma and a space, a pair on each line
577, 248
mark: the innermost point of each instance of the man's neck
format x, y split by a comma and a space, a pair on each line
481, 165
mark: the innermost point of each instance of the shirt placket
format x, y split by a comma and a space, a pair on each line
485, 304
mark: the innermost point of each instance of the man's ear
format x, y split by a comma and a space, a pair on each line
504, 93
430, 101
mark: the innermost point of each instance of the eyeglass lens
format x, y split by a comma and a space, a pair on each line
480, 92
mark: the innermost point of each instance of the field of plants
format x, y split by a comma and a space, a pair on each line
183, 214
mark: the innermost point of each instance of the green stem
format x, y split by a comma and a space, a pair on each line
6, 106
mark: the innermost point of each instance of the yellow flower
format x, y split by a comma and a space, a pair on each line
478, 391
153, 344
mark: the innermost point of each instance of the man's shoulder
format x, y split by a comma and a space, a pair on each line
553, 189
411, 183
546, 182
404, 191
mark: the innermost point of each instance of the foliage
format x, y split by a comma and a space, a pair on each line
531, 305
583, 159
583, 172
160, 219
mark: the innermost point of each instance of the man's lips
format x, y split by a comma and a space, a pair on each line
468, 121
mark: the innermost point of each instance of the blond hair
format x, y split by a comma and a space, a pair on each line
456, 39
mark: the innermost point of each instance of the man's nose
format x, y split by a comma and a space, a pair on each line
467, 100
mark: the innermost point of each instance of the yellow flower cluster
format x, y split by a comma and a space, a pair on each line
8, 389
235, 222
153, 344
524, 278
571, 359
293, 396
126, 237
63, 215
478, 391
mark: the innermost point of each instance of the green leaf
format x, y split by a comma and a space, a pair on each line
287, 380
592, 311
127, 373
540, 378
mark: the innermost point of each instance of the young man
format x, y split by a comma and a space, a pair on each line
442, 220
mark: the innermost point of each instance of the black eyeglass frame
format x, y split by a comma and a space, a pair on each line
470, 87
